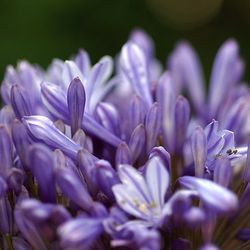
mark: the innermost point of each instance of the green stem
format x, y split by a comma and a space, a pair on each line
8, 239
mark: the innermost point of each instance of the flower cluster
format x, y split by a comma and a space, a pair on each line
140, 157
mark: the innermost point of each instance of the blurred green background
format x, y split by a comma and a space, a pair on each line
42, 29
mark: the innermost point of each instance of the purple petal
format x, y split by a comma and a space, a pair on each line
134, 66
246, 173
16, 179
76, 103
182, 116
137, 142
73, 188
223, 172
187, 66
106, 177
152, 126
142, 39
225, 73
199, 150
108, 117
123, 154
83, 62
161, 153
6, 223
6, 151
212, 194
21, 141
70, 72
20, 102
80, 233
41, 165
137, 112
97, 77
3, 187
166, 98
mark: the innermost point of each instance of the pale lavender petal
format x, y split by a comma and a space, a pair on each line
82, 60
161, 153
199, 150
166, 98
71, 71
157, 178
182, 116
136, 113
123, 154
6, 222
223, 75
134, 66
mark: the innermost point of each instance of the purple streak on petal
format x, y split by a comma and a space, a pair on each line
80, 233
187, 66
83, 62
223, 172
152, 126
123, 154
6, 222
213, 195
20, 102
41, 165
246, 172
182, 116
43, 130
157, 178
137, 142
134, 66
108, 117
199, 150
166, 98
6, 151
21, 141
73, 188
106, 177
76, 103
136, 113
223, 75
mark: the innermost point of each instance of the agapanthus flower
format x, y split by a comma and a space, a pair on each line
136, 156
